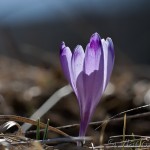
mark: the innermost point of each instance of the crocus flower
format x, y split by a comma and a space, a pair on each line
88, 73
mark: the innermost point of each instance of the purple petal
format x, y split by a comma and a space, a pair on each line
92, 54
94, 69
89, 89
95, 41
77, 62
85, 119
77, 66
65, 59
84, 103
90, 81
108, 51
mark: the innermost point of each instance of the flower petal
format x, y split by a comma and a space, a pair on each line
92, 54
90, 90
65, 59
77, 61
85, 119
94, 69
108, 50
90, 82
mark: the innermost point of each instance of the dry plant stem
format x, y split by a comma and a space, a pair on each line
124, 129
56, 140
112, 120
101, 138
33, 122
14, 135
136, 136
119, 147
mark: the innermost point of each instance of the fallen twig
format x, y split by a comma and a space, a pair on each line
30, 121
109, 120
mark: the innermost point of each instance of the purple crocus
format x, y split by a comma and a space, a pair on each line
88, 73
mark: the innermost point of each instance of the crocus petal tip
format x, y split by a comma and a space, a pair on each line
78, 48
62, 46
95, 41
109, 40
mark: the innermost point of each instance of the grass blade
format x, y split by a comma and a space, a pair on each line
46, 130
38, 130
124, 130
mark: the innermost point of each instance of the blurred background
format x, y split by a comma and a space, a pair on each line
30, 36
